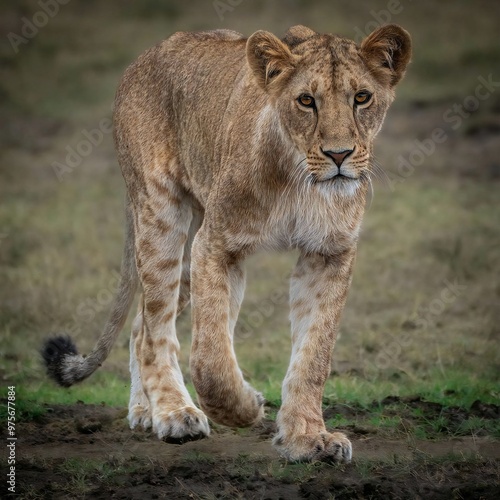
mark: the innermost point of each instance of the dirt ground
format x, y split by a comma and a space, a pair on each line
87, 451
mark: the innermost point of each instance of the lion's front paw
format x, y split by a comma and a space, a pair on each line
310, 447
139, 415
181, 425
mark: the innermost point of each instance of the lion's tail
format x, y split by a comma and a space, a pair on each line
62, 360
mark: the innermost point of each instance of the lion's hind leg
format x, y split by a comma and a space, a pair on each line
139, 409
163, 221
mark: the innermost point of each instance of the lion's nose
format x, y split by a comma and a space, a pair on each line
338, 156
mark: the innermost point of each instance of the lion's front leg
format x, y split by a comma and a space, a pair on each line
318, 292
217, 283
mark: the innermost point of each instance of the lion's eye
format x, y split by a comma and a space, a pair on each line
362, 97
306, 100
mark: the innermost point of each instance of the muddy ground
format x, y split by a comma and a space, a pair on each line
87, 451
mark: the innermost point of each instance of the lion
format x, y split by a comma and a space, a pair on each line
228, 146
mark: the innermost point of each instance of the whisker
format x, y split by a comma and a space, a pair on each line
379, 173
306, 184
371, 196
295, 175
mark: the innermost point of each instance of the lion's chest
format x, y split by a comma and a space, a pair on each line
316, 225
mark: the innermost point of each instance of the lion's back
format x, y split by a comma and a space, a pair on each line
184, 63
174, 92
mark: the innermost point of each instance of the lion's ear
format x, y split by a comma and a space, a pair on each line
387, 52
269, 58
298, 34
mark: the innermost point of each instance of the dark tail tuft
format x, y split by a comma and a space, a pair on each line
54, 352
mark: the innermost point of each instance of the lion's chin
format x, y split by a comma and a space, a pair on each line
339, 185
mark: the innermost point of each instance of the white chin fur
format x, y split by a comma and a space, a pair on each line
342, 187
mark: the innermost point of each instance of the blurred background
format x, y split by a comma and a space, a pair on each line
423, 313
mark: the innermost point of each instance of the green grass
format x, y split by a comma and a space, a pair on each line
474, 426
336, 422
35, 394
197, 457
26, 409
452, 388
395, 420
105, 388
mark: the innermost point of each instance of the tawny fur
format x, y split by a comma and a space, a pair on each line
221, 160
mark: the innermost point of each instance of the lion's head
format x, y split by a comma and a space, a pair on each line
330, 94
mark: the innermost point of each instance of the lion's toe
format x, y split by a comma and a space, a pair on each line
312, 447
181, 425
